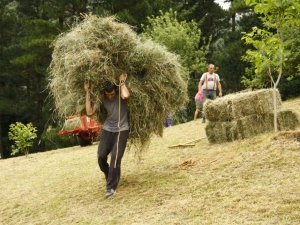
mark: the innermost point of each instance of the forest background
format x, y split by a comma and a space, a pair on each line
213, 35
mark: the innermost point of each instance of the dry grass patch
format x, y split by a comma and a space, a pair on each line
251, 181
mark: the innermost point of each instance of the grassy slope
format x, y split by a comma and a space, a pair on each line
253, 181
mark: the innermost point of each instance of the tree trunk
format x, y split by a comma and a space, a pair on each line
39, 104
80, 9
1, 146
233, 22
61, 23
275, 108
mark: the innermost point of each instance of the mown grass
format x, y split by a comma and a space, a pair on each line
253, 181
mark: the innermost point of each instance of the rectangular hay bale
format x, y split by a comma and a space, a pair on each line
219, 109
254, 103
236, 106
288, 119
246, 127
73, 123
222, 131
252, 125
256, 124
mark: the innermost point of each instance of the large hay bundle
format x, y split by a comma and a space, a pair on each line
235, 106
249, 126
100, 49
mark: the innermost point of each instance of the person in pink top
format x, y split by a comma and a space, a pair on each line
199, 103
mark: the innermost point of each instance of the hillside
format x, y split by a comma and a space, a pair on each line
253, 181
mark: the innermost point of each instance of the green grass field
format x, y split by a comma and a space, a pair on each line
252, 181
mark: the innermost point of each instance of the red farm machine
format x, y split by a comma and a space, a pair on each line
85, 128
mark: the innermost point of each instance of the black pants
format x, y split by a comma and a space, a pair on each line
210, 94
109, 143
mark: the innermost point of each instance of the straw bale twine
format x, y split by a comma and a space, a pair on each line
99, 50
235, 106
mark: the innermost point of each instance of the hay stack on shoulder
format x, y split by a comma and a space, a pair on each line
243, 115
99, 50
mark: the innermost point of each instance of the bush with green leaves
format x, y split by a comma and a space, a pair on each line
23, 136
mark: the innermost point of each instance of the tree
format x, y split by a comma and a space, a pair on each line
130, 11
228, 50
10, 91
270, 43
227, 54
22, 136
211, 18
181, 38
34, 38
237, 6
289, 85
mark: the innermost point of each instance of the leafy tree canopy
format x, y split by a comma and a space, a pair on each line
181, 38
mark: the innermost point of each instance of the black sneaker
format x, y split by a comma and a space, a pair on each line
203, 120
109, 193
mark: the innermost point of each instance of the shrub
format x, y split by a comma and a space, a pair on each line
22, 136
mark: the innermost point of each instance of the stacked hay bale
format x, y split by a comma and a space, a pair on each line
99, 50
243, 115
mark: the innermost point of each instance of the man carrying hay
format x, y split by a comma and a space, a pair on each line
115, 131
210, 82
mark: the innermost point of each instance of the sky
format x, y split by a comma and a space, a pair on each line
222, 4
